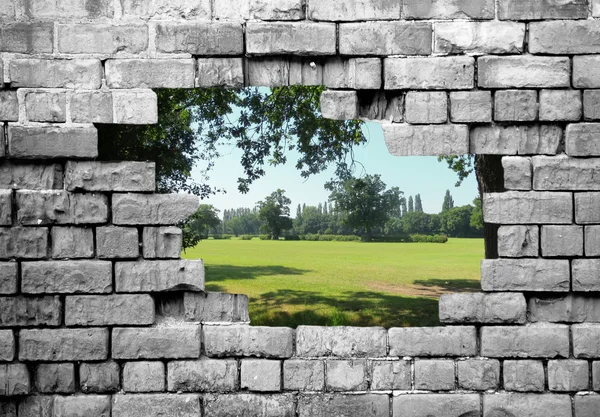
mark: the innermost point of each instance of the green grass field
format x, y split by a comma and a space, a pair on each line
341, 283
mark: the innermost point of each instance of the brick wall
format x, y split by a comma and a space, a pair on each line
100, 317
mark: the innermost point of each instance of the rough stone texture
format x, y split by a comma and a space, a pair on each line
381, 105
46, 106
9, 105
155, 405
8, 408
479, 37
72, 242
342, 341
278, 405
560, 105
339, 105
162, 242
515, 105
207, 375
137, 107
586, 405
583, 74
533, 341
385, 38
258, 9
152, 209
470, 106
42, 142
60, 345
55, 378
478, 374
23, 242
109, 310
524, 376
390, 375
524, 72
110, 176
482, 308
356, 73
66, 277
267, 342
568, 375
166, 9
580, 139
144, 376
426, 107
535, 10
8, 277
518, 241
585, 340
202, 38
418, 405
513, 140
346, 375
7, 346
6, 207
304, 375
210, 307
156, 342
592, 240
570, 308
434, 375
527, 405
36, 406
117, 242
449, 9
93, 106
158, 276
82, 405
354, 10
260, 375
432, 341
585, 274
220, 72
591, 105
99, 377
268, 72
426, 140
30, 176
14, 380
340, 405
587, 208
517, 173
26, 37
106, 39
562, 241
514, 207
596, 375
30, 311
565, 173
293, 38
150, 73
456, 73
56, 73
564, 37
525, 275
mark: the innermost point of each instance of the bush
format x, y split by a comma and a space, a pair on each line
397, 238
429, 238
247, 237
264, 237
291, 237
224, 236
330, 238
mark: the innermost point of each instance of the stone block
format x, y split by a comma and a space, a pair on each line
56, 9
94, 106
482, 308
419, 405
30, 311
426, 107
564, 37
46, 106
513, 140
565, 173
23, 242
525, 275
339, 105
478, 374
351, 10
206, 375
514, 207
584, 75
268, 72
580, 139
211, 307
155, 405
353, 73
479, 37
162, 242
527, 405
587, 405
585, 340
570, 308
99, 377
14, 380
55, 378
30, 176
292, 38
524, 72
110, 176
524, 376
150, 73
517, 173
341, 341
560, 105
135, 107
144, 376
47, 142
271, 9
220, 72
595, 8
117, 242
595, 376
166, 9
346, 375
260, 375
591, 105
36, 406
66, 277
432, 341
536, 10
262, 342
152, 209
385, 38
274, 405
540, 340
59, 345
8, 408
7, 346
515, 105
8, 277
105, 39
303, 375
72, 242
6, 207
592, 240
179, 342
426, 140
200, 38
158, 276
470, 106
585, 273
340, 405
82, 405
448, 9
587, 208
109, 310
390, 375
518, 241
431, 73
9, 106
27, 38
56, 73
434, 375
568, 375
562, 241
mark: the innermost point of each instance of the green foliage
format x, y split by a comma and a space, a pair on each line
411, 207
476, 220
330, 238
418, 203
264, 237
428, 238
463, 165
448, 202
274, 211
247, 237
225, 236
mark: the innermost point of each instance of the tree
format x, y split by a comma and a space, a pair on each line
418, 204
456, 221
299, 212
403, 209
274, 211
448, 202
197, 226
411, 207
476, 220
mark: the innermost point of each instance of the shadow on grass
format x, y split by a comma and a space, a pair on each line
223, 272
450, 285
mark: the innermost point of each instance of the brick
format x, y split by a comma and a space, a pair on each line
470, 106
72, 242
8, 277
525, 275
568, 375
27, 38
41, 142
417, 405
277, 405
201, 38
391, 375
9, 106
14, 380
586, 405
351, 10
268, 72
135, 107
592, 240
5, 207
517, 173
346, 375
447, 9
339, 105
583, 74
479, 37
162, 242
8, 408
562, 173
434, 375
99, 377
155, 405
30, 176
47, 106
478, 374
270, 9
564, 37
560, 105
166, 9
535, 10
206, 375
341, 341
30, 311
106, 39
385, 38
293, 38
158, 276
585, 340
426, 107
518, 241
110, 176
55, 378
144, 376
117, 242
150, 73
432, 73
220, 72
262, 342
340, 405
304, 375
524, 72
94, 106
426, 140
591, 105
482, 308
55, 9
534, 341
152, 209
156, 342
56, 73
595, 375
587, 208
515, 207
515, 105
570, 308
59, 345
210, 307
580, 139
7, 346
527, 405
36, 406
595, 8
585, 274
562, 241
353, 73
513, 140
109, 310
260, 375
23, 242
82, 405
66, 277
524, 376
432, 341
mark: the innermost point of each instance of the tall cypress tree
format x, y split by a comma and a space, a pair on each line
411, 207
418, 204
403, 209
448, 202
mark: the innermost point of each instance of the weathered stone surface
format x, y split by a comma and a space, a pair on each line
72, 242
268, 72
470, 106
585, 340
94, 106
524, 72
82, 405
353, 73
55, 9
346, 375
293, 38
592, 240
265, 342
341, 341
56, 73
42, 142
8, 408
55, 378
117, 242
277, 405
30, 311
8, 277
479, 37
518, 241
36, 406
60, 207
524, 375
390, 375
517, 173
220, 72
304, 375
99, 377
426, 140
562, 241
478, 374
210, 307
150, 73
157, 276
565, 173
560, 105
482, 308
564, 37
540, 340
9, 106
583, 74
513, 140
109, 310
514, 207
432, 341
7, 346
418, 405
456, 73
66, 277
350, 10
135, 107
340, 405
595, 376
46, 106
6, 207
568, 375
147, 209
166, 9
515, 105
58, 345
385, 38
106, 39
201, 38
110, 176
260, 375
155, 405
586, 273
448, 9
426, 107
381, 105
23, 242
591, 105
525, 275
36, 176
580, 139
162, 242
156, 342
434, 375
586, 405
587, 208
570, 308
206, 375
144, 376
535, 10
527, 405
27, 38
14, 380
339, 105
258, 9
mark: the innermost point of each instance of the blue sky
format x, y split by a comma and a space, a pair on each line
423, 175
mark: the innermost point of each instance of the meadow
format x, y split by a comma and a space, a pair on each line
341, 283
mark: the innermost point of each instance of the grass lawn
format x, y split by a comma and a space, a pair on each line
341, 283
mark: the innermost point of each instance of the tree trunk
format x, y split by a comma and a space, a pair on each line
490, 179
